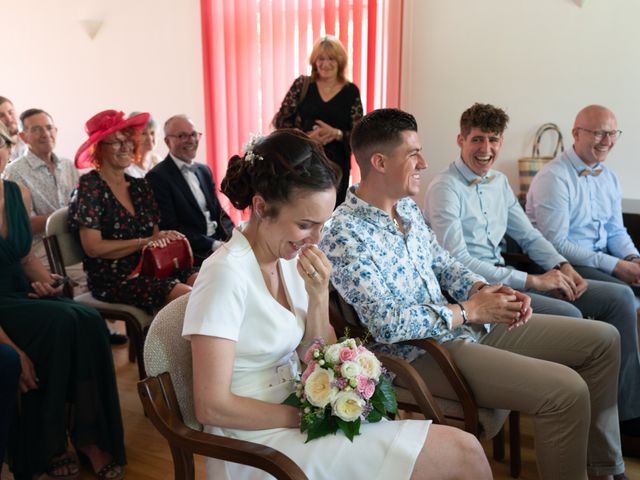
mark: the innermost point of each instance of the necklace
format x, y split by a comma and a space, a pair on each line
396, 223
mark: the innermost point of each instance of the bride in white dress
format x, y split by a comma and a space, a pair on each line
260, 301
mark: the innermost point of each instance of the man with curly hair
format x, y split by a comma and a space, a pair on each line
471, 207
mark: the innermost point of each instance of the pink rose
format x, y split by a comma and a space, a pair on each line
308, 355
347, 354
366, 387
311, 366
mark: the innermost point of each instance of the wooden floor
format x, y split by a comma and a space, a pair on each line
149, 457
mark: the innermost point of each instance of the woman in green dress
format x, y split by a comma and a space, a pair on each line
65, 357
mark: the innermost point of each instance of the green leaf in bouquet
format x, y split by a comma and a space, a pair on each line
350, 429
388, 394
374, 416
293, 401
318, 426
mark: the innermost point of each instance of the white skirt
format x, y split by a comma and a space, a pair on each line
383, 450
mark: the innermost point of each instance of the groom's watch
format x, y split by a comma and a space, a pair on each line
463, 312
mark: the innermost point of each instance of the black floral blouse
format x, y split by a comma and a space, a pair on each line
94, 206
342, 111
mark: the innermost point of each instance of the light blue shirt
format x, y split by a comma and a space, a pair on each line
471, 220
393, 279
581, 216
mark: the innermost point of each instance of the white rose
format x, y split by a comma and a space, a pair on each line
369, 365
350, 369
348, 406
332, 353
318, 388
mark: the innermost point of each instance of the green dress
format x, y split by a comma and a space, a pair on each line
69, 346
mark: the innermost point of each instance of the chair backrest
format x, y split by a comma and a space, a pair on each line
69, 249
165, 350
343, 316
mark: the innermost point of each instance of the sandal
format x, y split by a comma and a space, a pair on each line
111, 471
62, 462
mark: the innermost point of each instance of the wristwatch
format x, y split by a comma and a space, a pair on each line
463, 312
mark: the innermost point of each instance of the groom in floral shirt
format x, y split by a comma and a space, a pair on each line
388, 265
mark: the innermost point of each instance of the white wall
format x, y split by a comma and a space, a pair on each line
146, 57
540, 60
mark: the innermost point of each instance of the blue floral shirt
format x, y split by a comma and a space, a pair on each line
393, 279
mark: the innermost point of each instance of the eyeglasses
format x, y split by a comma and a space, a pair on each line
39, 130
598, 135
182, 136
118, 144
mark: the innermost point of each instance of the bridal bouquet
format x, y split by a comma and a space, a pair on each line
343, 384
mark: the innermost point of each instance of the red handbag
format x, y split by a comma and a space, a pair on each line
163, 262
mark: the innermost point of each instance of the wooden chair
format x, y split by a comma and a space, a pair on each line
63, 249
464, 413
167, 398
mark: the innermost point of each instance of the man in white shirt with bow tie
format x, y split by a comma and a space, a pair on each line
186, 193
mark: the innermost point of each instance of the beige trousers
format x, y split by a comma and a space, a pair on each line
560, 370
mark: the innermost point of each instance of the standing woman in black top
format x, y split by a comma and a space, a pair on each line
325, 105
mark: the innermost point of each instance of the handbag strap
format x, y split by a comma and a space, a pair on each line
136, 271
548, 127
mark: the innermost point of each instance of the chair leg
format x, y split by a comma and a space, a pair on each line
132, 347
514, 443
498, 445
136, 345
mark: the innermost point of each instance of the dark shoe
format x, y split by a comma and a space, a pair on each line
620, 476
63, 463
117, 338
111, 471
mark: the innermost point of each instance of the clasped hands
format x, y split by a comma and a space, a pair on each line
323, 133
628, 271
499, 304
563, 282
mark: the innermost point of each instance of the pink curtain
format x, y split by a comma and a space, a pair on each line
252, 52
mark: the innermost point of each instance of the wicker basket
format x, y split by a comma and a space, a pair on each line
529, 166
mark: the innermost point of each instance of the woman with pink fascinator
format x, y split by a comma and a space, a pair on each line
116, 216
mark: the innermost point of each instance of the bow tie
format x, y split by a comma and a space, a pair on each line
189, 167
479, 180
587, 172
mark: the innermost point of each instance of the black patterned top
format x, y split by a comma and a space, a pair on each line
342, 111
95, 206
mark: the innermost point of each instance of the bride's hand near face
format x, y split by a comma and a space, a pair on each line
315, 270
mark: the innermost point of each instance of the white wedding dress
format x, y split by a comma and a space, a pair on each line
230, 300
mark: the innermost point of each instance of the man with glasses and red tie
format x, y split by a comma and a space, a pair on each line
575, 201
186, 192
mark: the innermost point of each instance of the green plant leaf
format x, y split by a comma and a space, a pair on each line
374, 416
317, 427
389, 395
293, 401
350, 429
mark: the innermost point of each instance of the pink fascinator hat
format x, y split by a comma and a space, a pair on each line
103, 124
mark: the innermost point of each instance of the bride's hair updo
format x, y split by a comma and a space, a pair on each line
275, 166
